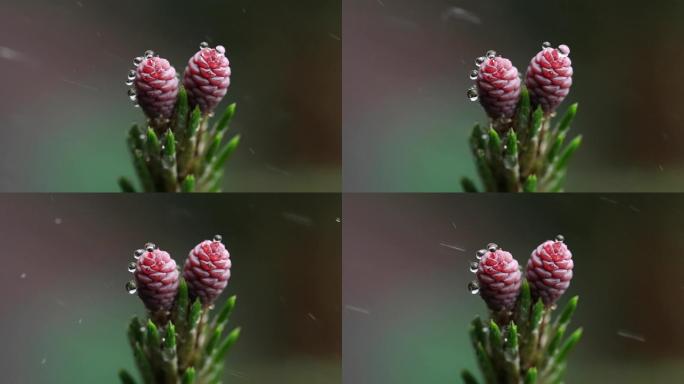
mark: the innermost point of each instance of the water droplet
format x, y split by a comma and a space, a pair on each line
474, 287
492, 247
546, 45
221, 49
473, 74
218, 238
149, 53
491, 54
137, 61
472, 94
131, 74
204, 44
480, 254
132, 95
560, 238
480, 60
473, 266
563, 50
150, 247
131, 267
131, 288
23, 275
338, 220
136, 105
129, 82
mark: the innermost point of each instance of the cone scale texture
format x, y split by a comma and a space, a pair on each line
156, 87
549, 271
207, 270
207, 77
156, 278
549, 77
498, 86
499, 279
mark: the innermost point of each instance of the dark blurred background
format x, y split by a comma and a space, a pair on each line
405, 263
406, 65
64, 258
64, 114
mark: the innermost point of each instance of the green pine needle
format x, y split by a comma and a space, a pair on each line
188, 184
135, 334
225, 118
153, 340
181, 110
530, 184
170, 147
568, 345
537, 119
227, 310
568, 117
229, 341
195, 120
153, 145
512, 145
170, 339
226, 152
531, 376
494, 142
522, 120
195, 313
126, 377
468, 185
468, 377
567, 153
568, 311
126, 185
189, 376
512, 340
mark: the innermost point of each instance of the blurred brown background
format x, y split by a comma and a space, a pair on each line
64, 114
405, 69
65, 310
405, 263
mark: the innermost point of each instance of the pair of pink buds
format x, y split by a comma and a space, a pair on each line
498, 83
549, 272
206, 272
155, 85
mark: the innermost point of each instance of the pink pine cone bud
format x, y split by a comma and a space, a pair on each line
499, 279
207, 270
207, 77
156, 87
549, 77
549, 271
498, 86
156, 278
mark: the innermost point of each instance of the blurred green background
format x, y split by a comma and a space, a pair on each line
64, 114
406, 308
405, 69
65, 310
